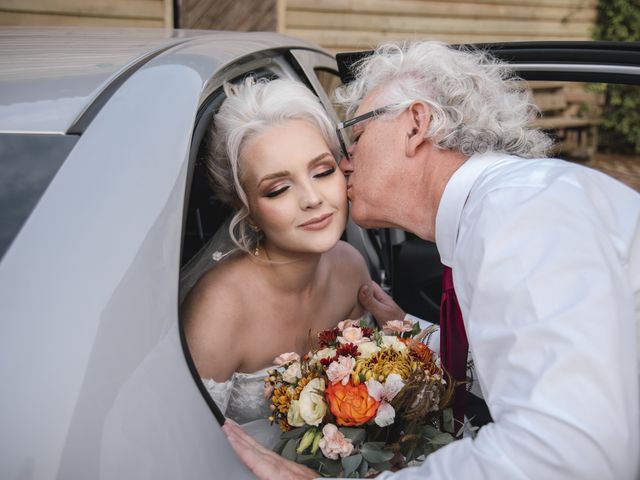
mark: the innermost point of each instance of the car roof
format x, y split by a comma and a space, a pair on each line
50, 76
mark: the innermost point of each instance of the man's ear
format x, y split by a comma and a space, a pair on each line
419, 120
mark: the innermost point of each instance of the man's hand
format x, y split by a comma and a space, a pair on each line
379, 304
263, 463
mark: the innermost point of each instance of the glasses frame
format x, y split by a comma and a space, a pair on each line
360, 118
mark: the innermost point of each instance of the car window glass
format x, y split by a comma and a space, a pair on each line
28, 163
330, 80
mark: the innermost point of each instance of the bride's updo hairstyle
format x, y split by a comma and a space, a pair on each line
476, 104
250, 109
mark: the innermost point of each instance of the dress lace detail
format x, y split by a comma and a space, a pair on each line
241, 398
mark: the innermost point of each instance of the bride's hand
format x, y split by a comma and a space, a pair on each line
263, 463
379, 304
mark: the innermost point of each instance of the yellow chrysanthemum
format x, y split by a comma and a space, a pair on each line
281, 399
382, 364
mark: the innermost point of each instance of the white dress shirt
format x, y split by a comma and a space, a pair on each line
546, 266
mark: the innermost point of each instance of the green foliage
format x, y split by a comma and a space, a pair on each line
619, 20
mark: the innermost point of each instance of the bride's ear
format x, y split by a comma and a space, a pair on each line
419, 121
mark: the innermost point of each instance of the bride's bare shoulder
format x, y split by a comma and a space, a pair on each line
347, 260
218, 294
212, 314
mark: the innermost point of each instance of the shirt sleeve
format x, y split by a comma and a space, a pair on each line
550, 319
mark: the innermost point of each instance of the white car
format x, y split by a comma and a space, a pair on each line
103, 198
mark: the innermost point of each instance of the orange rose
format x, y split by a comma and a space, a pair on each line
351, 405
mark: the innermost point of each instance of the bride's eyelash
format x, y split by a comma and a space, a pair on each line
326, 173
279, 191
275, 193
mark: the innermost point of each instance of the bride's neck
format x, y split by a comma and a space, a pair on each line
290, 273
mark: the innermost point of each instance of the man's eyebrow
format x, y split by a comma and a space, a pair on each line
284, 173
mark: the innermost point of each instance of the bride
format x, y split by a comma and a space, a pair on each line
274, 162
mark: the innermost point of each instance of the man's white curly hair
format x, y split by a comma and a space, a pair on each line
475, 105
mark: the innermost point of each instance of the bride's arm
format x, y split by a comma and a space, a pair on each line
211, 318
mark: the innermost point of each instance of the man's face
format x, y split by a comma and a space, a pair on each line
374, 170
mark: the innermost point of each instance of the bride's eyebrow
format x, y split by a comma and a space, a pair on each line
285, 173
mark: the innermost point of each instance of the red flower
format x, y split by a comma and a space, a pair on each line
327, 338
325, 362
348, 350
367, 332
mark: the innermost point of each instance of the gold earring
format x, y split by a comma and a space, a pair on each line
253, 226
256, 250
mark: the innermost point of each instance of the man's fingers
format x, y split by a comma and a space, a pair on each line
378, 293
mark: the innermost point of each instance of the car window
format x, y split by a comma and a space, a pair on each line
330, 80
28, 163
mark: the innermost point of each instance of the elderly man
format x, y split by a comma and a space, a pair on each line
544, 255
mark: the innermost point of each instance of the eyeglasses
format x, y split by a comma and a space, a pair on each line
345, 132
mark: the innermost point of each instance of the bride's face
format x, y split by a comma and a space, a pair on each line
297, 194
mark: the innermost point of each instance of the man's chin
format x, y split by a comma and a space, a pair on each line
360, 218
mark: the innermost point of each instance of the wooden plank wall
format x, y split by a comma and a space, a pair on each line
340, 25
238, 15
93, 13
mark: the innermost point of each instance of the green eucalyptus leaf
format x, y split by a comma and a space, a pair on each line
373, 452
381, 467
356, 435
295, 433
279, 446
328, 467
442, 439
289, 450
364, 468
351, 463
429, 431
447, 420
310, 461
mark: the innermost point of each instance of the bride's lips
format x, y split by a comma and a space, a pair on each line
317, 223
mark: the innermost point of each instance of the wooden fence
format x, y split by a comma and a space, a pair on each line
340, 25
93, 13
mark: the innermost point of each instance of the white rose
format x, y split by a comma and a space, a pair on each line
292, 373
293, 415
312, 405
368, 349
393, 342
324, 353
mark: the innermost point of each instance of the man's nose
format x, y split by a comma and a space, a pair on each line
346, 165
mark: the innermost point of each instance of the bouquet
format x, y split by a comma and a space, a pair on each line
365, 401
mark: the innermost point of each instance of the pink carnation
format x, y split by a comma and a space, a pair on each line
348, 323
286, 358
340, 370
334, 444
397, 326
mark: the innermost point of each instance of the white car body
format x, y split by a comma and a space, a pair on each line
94, 378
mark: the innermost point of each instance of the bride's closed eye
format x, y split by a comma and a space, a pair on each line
325, 173
276, 192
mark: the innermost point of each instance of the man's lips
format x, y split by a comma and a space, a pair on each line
317, 223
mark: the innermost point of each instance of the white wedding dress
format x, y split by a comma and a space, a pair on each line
241, 398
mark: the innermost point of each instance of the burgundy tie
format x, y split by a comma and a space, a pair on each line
454, 346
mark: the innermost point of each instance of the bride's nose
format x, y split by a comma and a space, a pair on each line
310, 197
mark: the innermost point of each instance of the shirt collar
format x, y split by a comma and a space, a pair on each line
452, 202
